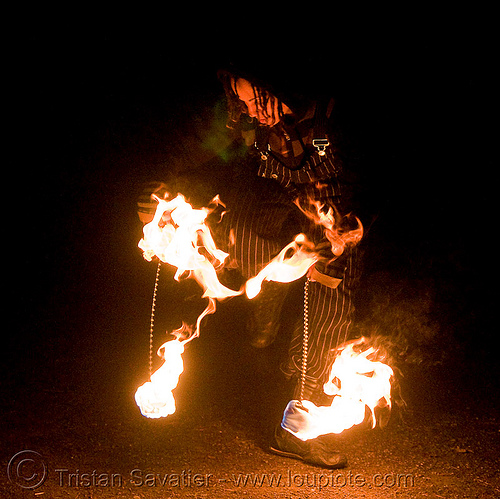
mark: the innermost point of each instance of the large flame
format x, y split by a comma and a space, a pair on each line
179, 236
155, 398
356, 381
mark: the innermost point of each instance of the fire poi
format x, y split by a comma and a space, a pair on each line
179, 236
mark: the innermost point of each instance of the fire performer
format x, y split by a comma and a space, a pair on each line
294, 145
298, 146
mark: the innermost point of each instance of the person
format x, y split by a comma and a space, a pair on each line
298, 146
294, 160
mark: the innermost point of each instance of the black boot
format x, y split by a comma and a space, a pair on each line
316, 451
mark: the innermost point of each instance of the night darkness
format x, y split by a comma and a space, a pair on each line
92, 118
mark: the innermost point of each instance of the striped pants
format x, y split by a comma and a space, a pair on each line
260, 221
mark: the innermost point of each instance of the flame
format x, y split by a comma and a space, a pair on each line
155, 398
285, 268
179, 236
176, 235
330, 219
356, 382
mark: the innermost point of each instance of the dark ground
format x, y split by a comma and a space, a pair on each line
101, 122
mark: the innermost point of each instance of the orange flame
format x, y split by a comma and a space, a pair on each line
357, 383
155, 398
178, 235
338, 237
285, 268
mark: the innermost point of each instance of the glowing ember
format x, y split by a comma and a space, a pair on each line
356, 382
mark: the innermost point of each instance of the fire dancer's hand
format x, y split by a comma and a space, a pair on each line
146, 204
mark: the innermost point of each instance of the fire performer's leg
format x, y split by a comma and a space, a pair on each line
330, 315
256, 227
330, 312
253, 227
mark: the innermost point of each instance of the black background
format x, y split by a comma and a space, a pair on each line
94, 115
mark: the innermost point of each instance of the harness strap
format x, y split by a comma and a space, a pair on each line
320, 140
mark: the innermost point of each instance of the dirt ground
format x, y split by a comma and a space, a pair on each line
77, 316
70, 399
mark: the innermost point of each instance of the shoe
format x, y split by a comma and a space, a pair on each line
315, 451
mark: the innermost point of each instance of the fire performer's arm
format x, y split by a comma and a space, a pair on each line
334, 243
330, 204
146, 203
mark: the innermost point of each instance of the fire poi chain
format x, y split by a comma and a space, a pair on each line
176, 236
